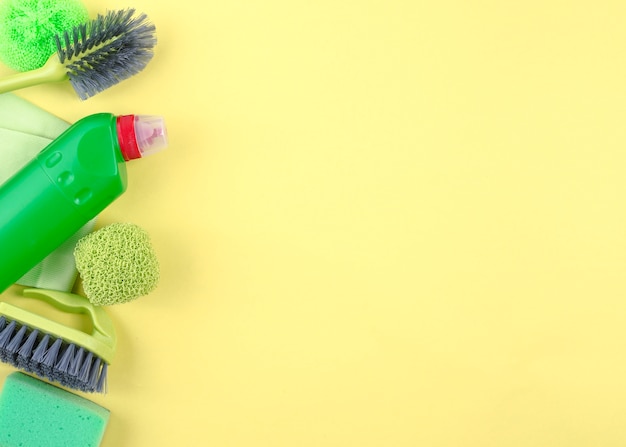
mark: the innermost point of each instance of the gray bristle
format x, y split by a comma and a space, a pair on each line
51, 357
107, 50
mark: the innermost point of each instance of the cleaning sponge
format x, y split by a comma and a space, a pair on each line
116, 264
28, 27
36, 414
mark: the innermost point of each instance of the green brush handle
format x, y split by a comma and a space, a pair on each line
52, 71
103, 330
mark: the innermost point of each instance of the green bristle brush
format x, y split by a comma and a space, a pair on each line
94, 56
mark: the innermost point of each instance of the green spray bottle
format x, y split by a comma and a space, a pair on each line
69, 183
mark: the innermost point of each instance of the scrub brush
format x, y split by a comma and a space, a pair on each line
94, 56
51, 350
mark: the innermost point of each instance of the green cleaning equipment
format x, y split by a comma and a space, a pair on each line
29, 26
70, 182
94, 56
117, 264
25, 129
52, 350
35, 413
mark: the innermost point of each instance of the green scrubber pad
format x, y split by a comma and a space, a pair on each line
117, 264
36, 414
28, 27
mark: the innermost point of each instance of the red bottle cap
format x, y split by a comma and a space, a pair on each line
126, 137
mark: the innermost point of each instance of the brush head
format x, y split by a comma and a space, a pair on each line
28, 27
105, 51
50, 357
72, 356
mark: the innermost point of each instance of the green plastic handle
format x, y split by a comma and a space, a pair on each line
76, 304
52, 71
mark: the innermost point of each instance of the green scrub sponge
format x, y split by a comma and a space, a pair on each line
116, 264
28, 27
36, 414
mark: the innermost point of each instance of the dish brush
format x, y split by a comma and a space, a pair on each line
51, 350
94, 56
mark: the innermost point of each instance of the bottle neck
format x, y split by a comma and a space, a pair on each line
127, 138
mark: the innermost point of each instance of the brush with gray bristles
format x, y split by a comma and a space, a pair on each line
94, 56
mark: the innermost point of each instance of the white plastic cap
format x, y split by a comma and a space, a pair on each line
151, 134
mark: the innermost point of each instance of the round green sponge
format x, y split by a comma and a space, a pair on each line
116, 264
28, 27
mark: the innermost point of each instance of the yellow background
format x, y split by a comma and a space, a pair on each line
380, 223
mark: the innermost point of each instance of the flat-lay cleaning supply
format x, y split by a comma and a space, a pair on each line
70, 182
94, 56
28, 27
117, 264
36, 414
69, 356
25, 130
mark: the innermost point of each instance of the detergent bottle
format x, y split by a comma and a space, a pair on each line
69, 182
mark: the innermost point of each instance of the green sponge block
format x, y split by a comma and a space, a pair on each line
36, 414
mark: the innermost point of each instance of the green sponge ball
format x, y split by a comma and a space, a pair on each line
28, 27
117, 264
35, 413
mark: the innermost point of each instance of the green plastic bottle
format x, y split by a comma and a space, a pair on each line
70, 182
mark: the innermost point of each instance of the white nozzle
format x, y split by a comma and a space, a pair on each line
151, 134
